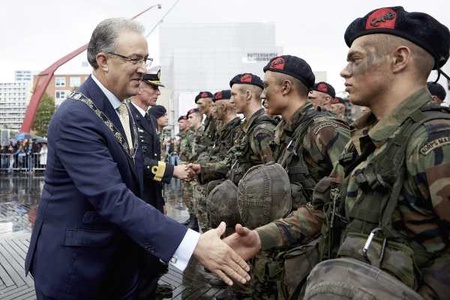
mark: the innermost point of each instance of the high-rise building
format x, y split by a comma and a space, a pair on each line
14, 97
197, 57
23, 76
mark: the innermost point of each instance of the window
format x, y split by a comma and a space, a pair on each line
60, 81
60, 95
75, 81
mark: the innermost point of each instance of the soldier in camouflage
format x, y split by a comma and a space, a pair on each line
159, 112
195, 125
384, 212
252, 145
338, 107
307, 142
184, 152
203, 142
183, 126
224, 112
196, 131
321, 95
204, 101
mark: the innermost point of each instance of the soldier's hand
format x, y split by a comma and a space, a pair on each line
219, 258
196, 168
181, 171
244, 241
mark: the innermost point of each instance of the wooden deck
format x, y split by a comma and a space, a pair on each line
18, 201
192, 284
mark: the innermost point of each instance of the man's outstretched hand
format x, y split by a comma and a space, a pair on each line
214, 254
244, 242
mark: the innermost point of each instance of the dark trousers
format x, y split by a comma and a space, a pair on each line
149, 274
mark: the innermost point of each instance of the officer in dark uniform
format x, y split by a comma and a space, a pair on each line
155, 171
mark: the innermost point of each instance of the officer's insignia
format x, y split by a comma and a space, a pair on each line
278, 63
428, 147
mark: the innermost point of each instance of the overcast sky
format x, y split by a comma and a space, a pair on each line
37, 33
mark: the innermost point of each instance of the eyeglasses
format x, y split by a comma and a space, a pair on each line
135, 59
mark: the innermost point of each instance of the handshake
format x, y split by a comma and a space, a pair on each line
186, 172
226, 257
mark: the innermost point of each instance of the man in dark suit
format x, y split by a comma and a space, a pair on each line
91, 226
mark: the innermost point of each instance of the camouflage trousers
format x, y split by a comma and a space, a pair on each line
199, 196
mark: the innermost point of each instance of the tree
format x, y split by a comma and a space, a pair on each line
43, 115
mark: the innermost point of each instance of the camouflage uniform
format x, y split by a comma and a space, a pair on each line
306, 147
208, 137
224, 141
252, 147
418, 223
197, 144
186, 139
162, 137
185, 149
197, 191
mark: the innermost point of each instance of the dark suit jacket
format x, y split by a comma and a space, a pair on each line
91, 225
151, 151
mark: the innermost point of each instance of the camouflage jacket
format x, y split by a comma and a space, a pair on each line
162, 136
422, 211
197, 144
308, 147
225, 139
206, 140
252, 147
184, 147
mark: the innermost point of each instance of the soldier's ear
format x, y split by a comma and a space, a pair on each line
286, 87
248, 95
400, 58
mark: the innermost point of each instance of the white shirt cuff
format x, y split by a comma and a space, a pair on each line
182, 255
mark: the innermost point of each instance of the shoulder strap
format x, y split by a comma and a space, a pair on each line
295, 143
419, 117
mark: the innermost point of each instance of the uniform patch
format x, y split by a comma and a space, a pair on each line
323, 125
427, 148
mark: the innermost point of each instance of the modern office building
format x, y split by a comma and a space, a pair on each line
197, 57
14, 97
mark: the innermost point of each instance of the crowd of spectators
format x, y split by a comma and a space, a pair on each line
23, 156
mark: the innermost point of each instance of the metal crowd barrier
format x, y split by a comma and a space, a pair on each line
10, 163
